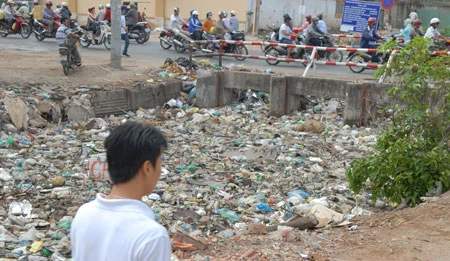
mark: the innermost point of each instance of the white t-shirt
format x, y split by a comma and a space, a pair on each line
174, 18
431, 32
118, 229
123, 23
284, 27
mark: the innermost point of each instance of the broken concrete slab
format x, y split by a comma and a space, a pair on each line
17, 111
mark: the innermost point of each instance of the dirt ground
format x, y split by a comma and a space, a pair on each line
421, 233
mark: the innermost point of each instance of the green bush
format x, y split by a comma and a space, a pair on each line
412, 155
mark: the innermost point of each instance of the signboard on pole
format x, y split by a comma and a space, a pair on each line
387, 4
356, 13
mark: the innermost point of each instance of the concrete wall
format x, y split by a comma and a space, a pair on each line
362, 99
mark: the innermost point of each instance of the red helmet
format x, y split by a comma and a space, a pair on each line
372, 20
417, 22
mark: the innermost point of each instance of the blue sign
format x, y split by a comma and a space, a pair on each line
388, 4
356, 13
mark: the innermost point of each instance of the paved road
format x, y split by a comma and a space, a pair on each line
151, 52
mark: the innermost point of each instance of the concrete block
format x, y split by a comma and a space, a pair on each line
17, 111
322, 88
207, 93
110, 102
277, 96
247, 80
154, 95
78, 114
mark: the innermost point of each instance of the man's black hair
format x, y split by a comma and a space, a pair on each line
129, 146
63, 19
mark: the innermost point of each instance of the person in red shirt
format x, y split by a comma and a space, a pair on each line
108, 14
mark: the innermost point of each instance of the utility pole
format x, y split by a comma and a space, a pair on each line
116, 58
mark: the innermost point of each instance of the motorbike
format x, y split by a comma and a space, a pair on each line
87, 38
66, 58
272, 36
42, 31
181, 39
19, 27
140, 32
227, 48
166, 38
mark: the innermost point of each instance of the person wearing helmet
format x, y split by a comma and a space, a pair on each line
175, 19
405, 33
433, 34
24, 11
131, 17
370, 39
58, 9
220, 27
195, 26
417, 30
226, 20
285, 34
314, 35
321, 24
65, 12
48, 15
101, 13
107, 16
10, 13
208, 23
234, 22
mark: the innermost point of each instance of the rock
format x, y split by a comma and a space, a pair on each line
77, 114
313, 126
324, 215
36, 119
17, 111
58, 181
44, 107
9, 128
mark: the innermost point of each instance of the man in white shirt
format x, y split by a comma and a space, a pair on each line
119, 226
433, 34
175, 19
285, 34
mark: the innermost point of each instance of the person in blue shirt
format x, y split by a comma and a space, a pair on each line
195, 26
405, 33
370, 39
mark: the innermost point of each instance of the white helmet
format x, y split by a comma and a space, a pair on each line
10, 2
100, 7
435, 21
195, 13
233, 13
108, 5
63, 4
25, 3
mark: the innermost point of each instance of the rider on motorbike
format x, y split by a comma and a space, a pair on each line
175, 19
10, 13
433, 34
234, 22
285, 34
48, 16
314, 35
107, 16
220, 27
417, 31
131, 17
405, 33
24, 11
101, 13
65, 38
370, 39
209, 22
195, 26
65, 12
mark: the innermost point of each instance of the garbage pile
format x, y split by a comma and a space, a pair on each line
227, 172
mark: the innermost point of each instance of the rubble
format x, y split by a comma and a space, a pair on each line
229, 173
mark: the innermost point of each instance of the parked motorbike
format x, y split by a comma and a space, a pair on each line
66, 58
19, 27
227, 48
87, 37
140, 32
42, 31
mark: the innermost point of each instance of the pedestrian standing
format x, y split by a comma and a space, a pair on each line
119, 226
124, 31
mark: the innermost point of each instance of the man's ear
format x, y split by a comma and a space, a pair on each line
147, 167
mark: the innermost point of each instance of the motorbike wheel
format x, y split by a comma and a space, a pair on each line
25, 31
40, 37
241, 49
84, 41
180, 48
3, 30
164, 44
107, 42
337, 56
142, 36
356, 58
274, 53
